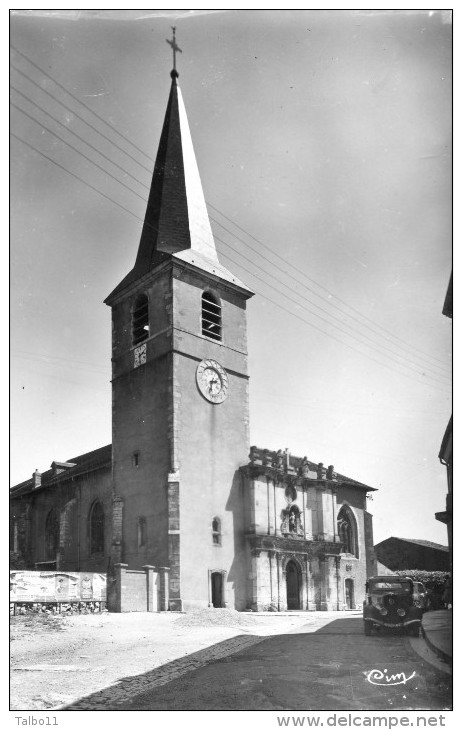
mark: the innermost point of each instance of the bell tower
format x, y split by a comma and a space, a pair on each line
180, 390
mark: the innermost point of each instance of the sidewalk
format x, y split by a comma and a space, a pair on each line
437, 632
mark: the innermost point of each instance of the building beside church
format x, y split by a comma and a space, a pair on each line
399, 553
179, 488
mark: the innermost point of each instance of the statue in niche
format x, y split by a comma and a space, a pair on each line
291, 522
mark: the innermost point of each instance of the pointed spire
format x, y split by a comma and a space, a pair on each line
176, 214
176, 222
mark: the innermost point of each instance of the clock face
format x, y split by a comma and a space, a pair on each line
212, 381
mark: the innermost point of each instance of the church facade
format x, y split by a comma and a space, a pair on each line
179, 487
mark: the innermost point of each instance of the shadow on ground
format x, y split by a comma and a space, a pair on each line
328, 669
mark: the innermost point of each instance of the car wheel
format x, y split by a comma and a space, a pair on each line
414, 631
367, 628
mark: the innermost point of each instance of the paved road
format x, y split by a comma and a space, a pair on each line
328, 669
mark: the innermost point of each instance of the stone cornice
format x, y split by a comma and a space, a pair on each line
293, 545
253, 471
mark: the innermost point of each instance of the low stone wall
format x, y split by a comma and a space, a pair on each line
138, 590
56, 587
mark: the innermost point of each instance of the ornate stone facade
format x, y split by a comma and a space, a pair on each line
308, 534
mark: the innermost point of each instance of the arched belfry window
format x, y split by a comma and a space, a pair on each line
52, 534
140, 322
347, 531
211, 316
96, 528
216, 531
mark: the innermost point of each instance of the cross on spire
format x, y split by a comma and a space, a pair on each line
175, 48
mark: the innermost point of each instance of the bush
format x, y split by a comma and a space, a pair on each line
433, 581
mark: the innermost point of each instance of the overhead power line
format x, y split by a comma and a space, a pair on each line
79, 101
380, 362
413, 366
294, 268
407, 347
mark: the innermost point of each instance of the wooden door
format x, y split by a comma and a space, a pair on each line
217, 590
293, 586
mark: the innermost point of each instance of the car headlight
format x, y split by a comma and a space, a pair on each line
383, 611
401, 612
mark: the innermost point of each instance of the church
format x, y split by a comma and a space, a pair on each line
180, 488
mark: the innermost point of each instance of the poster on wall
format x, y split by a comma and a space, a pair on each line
34, 586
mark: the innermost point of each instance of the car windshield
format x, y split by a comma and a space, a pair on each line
390, 586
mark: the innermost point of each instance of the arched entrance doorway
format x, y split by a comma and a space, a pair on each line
350, 593
293, 583
216, 580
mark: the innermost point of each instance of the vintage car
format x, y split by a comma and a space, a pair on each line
390, 603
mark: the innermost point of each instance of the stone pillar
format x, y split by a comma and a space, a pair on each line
278, 578
310, 602
117, 522
120, 569
324, 582
173, 498
270, 498
327, 583
150, 588
254, 555
163, 601
273, 594
338, 561
252, 511
282, 587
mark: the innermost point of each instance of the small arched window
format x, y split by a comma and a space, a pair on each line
96, 528
211, 316
216, 531
347, 532
140, 323
51, 534
141, 531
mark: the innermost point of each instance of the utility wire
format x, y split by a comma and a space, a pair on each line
221, 213
79, 101
331, 304
71, 131
76, 114
344, 324
414, 366
106, 172
380, 362
237, 263
80, 179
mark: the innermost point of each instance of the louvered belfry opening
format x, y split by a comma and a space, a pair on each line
141, 319
211, 316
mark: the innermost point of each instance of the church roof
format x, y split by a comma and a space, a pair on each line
101, 458
92, 460
422, 543
176, 223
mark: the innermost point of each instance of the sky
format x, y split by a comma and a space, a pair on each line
323, 142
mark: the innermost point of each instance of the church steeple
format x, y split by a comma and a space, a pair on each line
176, 215
176, 222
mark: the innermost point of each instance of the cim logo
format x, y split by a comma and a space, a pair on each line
383, 679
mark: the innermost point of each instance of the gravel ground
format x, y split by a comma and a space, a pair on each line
58, 659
